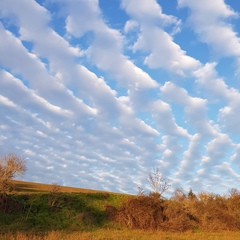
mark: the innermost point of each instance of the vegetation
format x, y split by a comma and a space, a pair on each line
50, 209
43, 212
182, 212
122, 234
38, 211
10, 167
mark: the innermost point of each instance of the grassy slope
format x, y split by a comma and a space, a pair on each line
70, 208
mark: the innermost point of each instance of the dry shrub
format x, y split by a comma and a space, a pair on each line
206, 211
152, 213
217, 212
142, 212
233, 203
178, 217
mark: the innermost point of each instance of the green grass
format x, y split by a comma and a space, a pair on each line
74, 211
41, 210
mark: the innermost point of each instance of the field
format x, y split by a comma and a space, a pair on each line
104, 234
48, 212
31, 187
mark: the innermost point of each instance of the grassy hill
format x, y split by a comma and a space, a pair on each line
39, 207
46, 211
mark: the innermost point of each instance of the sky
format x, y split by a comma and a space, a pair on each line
98, 93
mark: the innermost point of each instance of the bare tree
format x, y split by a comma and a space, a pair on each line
54, 194
158, 183
10, 167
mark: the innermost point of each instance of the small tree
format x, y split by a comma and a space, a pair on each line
10, 167
158, 183
54, 195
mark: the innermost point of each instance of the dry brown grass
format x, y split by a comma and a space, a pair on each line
125, 234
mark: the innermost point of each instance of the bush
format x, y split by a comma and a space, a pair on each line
207, 211
178, 217
142, 212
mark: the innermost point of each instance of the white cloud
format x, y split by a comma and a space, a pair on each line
148, 11
130, 26
208, 78
236, 155
76, 100
162, 51
216, 150
227, 171
228, 115
209, 21
7, 102
28, 98
76, 23
195, 108
166, 121
106, 48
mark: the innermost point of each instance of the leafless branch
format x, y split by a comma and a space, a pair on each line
158, 183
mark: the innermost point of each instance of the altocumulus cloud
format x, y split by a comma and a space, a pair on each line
96, 94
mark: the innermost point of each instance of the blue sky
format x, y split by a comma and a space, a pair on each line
96, 94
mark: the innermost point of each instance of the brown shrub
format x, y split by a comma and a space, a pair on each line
216, 212
142, 212
178, 217
206, 211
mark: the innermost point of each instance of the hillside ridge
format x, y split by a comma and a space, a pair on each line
31, 187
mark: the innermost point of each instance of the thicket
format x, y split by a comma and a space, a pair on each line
181, 212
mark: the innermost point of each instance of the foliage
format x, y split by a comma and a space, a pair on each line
10, 167
182, 212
